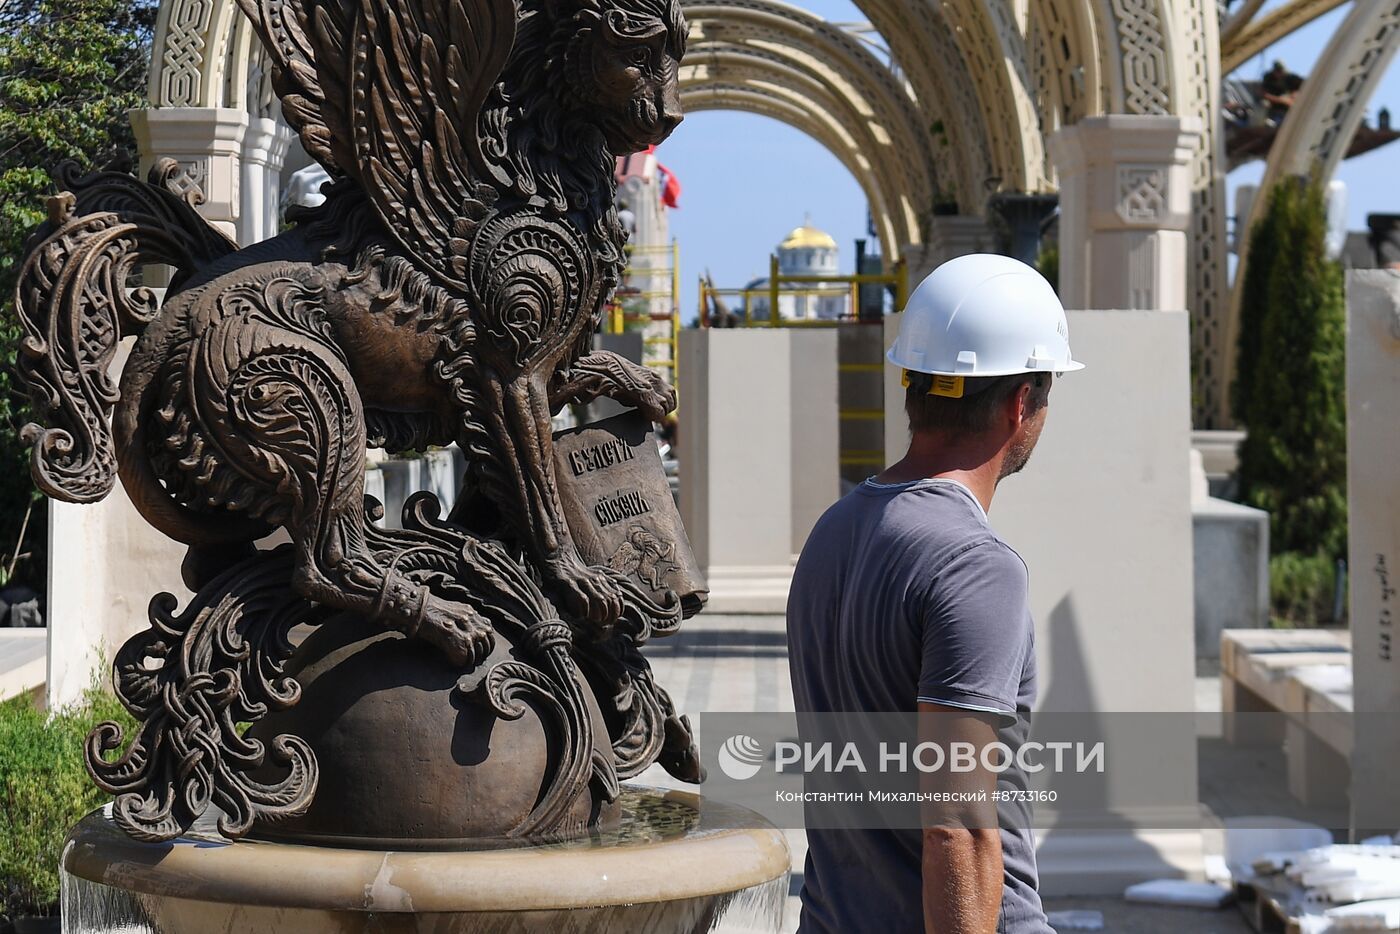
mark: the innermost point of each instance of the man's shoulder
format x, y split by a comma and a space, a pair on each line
987, 555
914, 530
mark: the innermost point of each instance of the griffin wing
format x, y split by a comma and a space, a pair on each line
389, 93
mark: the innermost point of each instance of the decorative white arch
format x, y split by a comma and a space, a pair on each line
192, 41
1248, 38
974, 89
778, 56
796, 40
819, 126
891, 208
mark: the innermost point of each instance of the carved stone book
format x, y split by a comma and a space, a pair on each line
619, 506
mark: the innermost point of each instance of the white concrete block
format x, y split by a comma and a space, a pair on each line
1373, 496
758, 444
1231, 562
896, 421
1102, 516
105, 565
735, 450
815, 426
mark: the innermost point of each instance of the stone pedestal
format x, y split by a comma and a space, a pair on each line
1125, 202
758, 455
208, 143
1373, 497
1231, 559
1102, 516
264, 152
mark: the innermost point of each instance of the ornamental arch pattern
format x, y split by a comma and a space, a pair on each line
960, 112
735, 70
820, 127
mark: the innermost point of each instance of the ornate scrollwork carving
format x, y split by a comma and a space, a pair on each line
75, 307
193, 679
530, 273
447, 291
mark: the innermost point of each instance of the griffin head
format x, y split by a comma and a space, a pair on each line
619, 67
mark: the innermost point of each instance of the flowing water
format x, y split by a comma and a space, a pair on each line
94, 908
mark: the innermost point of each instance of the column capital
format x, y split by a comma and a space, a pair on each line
208, 144
1139, 168
265, 142
1125, 208
188, 129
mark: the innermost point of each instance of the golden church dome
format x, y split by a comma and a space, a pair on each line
807, 237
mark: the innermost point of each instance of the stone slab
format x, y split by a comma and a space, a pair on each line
759, 441
1373, 497
1231, 570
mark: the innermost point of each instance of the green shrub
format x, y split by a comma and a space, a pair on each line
1291, 395
44, 790
1302, 589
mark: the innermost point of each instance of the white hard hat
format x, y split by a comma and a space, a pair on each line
983, 315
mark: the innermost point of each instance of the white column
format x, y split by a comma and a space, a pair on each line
1373, 500
815, 426
949, 236
264, 151
1125, 202
208, 144
748, 472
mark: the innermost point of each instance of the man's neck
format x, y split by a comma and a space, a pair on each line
932, 457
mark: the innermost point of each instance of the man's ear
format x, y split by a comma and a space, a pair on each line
1018, 404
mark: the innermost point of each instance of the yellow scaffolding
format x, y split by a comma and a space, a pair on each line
620, 319
815, 286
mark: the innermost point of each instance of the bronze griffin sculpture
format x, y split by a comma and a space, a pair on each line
447, 291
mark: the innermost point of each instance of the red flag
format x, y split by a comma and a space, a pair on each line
671, 194
671, 189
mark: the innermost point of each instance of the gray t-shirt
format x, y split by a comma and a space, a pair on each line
905, 594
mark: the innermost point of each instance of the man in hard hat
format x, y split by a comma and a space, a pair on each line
905, 600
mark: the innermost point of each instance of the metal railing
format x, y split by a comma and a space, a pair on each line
780, 285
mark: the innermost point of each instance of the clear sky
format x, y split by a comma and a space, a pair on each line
748, 180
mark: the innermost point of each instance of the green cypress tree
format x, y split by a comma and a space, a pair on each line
1263, 244
1293, 399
